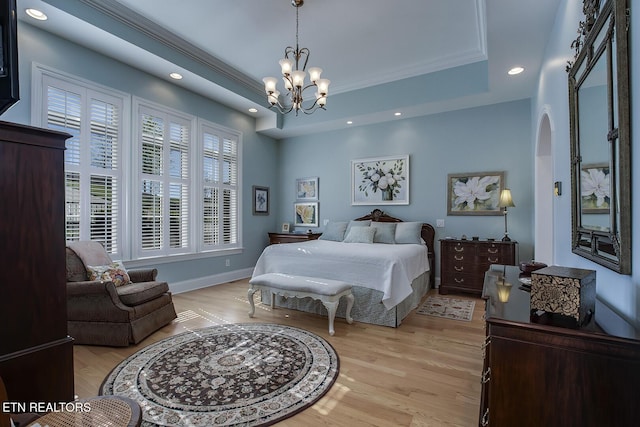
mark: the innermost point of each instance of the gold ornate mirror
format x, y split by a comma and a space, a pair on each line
601, 137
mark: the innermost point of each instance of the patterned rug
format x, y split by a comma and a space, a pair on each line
450, 308
249, 374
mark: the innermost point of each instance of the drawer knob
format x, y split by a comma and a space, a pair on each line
458, 280
458, 249
458, 258
493, 251
492, 260
456, 268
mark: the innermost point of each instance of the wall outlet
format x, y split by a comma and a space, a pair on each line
440, 223
325, 222
227, 262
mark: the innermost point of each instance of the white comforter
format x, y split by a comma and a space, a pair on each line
384, 267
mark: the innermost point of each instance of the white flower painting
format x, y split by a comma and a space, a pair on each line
475, 194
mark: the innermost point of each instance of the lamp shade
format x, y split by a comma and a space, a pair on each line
505, 199
270, 84
323, 86
314, 73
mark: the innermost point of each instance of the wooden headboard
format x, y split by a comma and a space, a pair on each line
428, 235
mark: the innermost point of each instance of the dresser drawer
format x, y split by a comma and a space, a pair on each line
459, 248
461, 264
462, 281
487, 260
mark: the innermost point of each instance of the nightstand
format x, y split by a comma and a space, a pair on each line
463, 262
275, 238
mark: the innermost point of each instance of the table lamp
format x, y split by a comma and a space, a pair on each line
506, 202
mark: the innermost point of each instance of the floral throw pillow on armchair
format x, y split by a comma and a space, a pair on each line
114, 272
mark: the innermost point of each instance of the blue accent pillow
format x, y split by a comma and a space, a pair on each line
408, 232
354, 223
360, 235
385, 232
334, 231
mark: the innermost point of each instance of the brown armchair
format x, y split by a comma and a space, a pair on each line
100, 313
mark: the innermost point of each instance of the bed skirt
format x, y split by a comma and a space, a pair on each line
368, 306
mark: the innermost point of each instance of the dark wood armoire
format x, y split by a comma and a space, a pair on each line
36, 354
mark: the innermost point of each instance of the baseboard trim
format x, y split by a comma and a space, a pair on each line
206, 281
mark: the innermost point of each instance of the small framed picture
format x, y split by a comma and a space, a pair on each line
285, 227
307, 188
306, 214
260, 200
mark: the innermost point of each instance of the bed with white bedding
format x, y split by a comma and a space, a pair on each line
389, 279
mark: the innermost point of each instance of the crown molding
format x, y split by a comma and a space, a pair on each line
143, 25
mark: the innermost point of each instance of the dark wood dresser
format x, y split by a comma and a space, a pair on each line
275, 238
463, 263
538, 374
36, 354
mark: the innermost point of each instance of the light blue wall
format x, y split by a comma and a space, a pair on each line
259, 152
490, 138
621, 292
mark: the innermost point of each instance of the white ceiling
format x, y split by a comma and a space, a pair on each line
364, 46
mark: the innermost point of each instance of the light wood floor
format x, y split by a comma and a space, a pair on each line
424, 373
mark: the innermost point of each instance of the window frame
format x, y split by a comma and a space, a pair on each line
205, 126
129, 182
141, 106
43, 78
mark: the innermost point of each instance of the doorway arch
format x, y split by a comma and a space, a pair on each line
544, 190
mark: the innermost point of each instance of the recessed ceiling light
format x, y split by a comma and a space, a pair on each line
253, 110
36, 14
397, 114
176, 76
515, 70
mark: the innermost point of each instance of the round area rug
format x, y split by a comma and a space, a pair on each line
248, 374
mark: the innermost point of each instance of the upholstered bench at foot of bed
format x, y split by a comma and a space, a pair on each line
327, 291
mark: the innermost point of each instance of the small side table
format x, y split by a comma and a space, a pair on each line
114, 411
275, 238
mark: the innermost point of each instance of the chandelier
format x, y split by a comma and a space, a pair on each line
294, 76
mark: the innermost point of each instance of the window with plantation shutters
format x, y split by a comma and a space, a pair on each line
164, 141
220, 171
173, 177
93, 171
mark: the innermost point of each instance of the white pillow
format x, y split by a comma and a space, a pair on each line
385, 232
334, 231
360, 235
408, 232
354, 223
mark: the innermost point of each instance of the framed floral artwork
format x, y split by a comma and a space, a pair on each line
260, 200
307, 188
595, 193
474, 193
306, 214
380, 181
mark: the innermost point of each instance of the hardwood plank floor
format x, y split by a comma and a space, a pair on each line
424, 373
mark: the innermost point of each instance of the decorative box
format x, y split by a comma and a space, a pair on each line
563, 296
